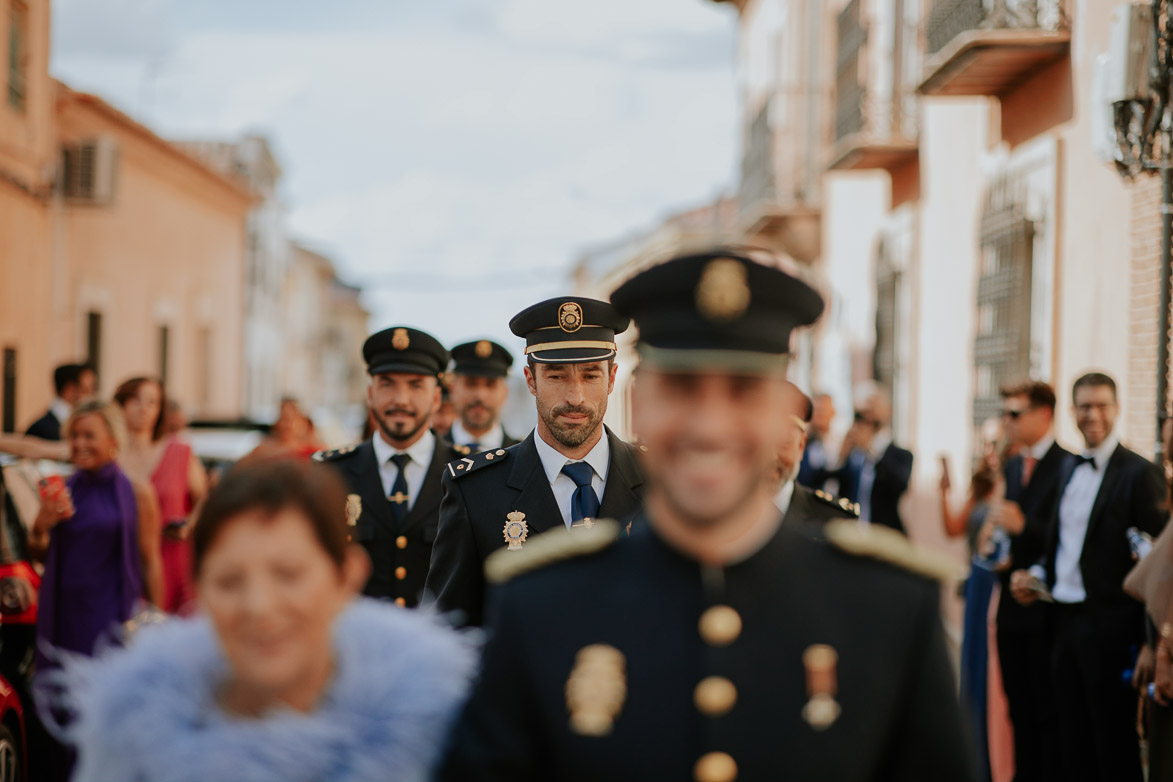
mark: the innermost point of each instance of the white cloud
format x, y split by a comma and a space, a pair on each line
470, 155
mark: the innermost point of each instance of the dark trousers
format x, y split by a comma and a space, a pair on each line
1161, 743
1025, 657
1096, 710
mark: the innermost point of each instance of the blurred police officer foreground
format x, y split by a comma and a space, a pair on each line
716, 642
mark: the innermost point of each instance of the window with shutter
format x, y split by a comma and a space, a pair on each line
1002, 339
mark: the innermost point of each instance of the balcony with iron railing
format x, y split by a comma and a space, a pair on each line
988, 47
875, 121
776, 202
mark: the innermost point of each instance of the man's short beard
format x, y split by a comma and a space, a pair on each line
572, 437
389, 434
471, 425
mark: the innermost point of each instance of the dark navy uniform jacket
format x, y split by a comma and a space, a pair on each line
479, 494
399, 553
810, 505
899, 717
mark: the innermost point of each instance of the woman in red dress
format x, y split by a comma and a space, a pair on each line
175, 473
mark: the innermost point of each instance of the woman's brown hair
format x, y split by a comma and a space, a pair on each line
129, 390
269, 487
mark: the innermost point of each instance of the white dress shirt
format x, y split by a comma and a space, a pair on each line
1075, 510
490, 441
561, 484
1039, 449
61, 410
416, 470
784, 496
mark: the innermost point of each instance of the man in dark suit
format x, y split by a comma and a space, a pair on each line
394, 477
812, 471
73, 383
1105, 491
480, 372
797, 502
874, 472
1024, 650
716, 642
568, 472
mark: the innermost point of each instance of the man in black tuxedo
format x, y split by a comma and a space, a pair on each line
569, 471
394, 477
73, 383
874, 472
1105, 491
1024, 651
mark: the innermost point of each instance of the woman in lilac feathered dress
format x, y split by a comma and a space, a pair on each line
285, 675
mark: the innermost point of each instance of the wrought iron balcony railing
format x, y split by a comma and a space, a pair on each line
950, 18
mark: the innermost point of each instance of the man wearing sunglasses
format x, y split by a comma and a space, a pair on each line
1032, 490
874, 472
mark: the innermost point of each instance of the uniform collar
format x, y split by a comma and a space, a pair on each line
420, 451
488, 441
553, 460
784, 497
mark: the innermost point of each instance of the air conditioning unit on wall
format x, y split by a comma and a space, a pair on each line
90, 171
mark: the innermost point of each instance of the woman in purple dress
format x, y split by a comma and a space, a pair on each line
100, 541
103, 540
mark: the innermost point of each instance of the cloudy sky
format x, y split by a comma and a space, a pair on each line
453, 156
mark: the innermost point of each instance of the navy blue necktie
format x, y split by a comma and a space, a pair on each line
399, 498
584, 503
474, 447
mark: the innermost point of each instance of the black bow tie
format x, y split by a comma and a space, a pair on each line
1086, 460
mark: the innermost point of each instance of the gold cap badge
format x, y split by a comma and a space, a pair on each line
353, 509
516, 530
821, 710
596, 689
723, 291
570, 316
484, 349
400, 340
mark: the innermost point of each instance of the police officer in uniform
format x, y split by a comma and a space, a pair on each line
795, 501
715, 642
479, 389
570, 470
394, 478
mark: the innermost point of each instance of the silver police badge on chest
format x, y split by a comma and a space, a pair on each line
353, 509
516, 530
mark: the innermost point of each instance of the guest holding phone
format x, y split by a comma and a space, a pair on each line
100, 544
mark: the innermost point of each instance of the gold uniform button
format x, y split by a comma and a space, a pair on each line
715, 767
401, 573
715, 696
401, 542
399, 601
720, 625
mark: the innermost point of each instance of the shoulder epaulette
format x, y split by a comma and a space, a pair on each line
844, 506
557, 545
463, 450
334, 453
888, 545
467, 463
